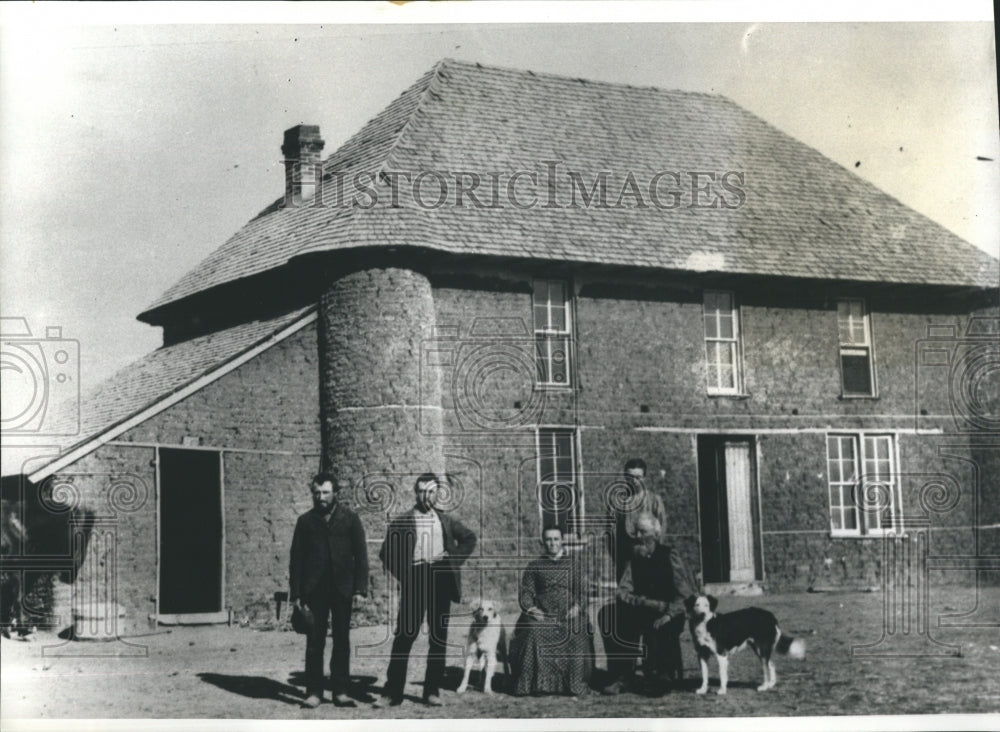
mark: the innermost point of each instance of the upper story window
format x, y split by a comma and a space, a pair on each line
864, 484
722, 343
551, 312
857, 373
559, 497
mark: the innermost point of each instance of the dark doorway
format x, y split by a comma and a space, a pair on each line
729, 510
190, 531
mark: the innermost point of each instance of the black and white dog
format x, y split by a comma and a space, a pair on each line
719, 634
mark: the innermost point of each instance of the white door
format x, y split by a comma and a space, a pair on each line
739, 481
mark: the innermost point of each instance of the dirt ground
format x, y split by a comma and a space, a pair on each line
222, 672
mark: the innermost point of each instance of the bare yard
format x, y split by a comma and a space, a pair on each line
218, 672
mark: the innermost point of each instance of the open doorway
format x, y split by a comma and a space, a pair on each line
729, 509
191, 537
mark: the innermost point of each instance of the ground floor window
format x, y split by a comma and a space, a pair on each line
560, 500
862, 470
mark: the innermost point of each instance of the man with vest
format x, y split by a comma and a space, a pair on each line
424, 550
649, 604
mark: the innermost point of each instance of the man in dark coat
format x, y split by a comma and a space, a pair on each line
329, 564
649, 605
423, 549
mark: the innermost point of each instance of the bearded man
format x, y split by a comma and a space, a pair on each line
649, 604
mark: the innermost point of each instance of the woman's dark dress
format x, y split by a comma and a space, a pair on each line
555, 655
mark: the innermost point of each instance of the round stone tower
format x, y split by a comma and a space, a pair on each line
380, 386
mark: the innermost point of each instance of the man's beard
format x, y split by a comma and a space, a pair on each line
644, 548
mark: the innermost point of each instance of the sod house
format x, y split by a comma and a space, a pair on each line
519, 281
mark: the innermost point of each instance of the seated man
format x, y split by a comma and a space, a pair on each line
649, 604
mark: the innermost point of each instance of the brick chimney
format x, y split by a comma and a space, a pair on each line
302, 149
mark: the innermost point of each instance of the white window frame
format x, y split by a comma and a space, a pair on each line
854, 347
735, 343
576, 516
550, 334
864, 519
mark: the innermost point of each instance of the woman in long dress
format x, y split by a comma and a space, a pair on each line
552, 650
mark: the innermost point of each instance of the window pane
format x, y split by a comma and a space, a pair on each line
549, 300
833, 447
841, 471
856, 372
843, 447
712, 358
542, 360
541, 316
711, 325
851, 322
842, 467
557, 491
877, 447
850, 471
713, 302
844, 330
720, 364
848, 310
721, 344
546, 456
541, 293
551, 315
859, 335
727, 378
558, 316
836, 468
726, 329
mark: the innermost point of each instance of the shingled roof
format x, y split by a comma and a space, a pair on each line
164, 376
804, 215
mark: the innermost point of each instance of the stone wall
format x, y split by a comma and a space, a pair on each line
405, 372
263, 417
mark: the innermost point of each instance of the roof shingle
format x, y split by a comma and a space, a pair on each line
804, 215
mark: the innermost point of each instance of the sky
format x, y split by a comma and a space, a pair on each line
131, 151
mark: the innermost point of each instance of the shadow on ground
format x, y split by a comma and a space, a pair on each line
254, 687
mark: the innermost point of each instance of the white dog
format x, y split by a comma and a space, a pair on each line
486, 643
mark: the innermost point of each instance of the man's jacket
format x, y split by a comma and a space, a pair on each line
401, 538
333, 552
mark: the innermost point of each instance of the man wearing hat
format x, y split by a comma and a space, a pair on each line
329, 564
